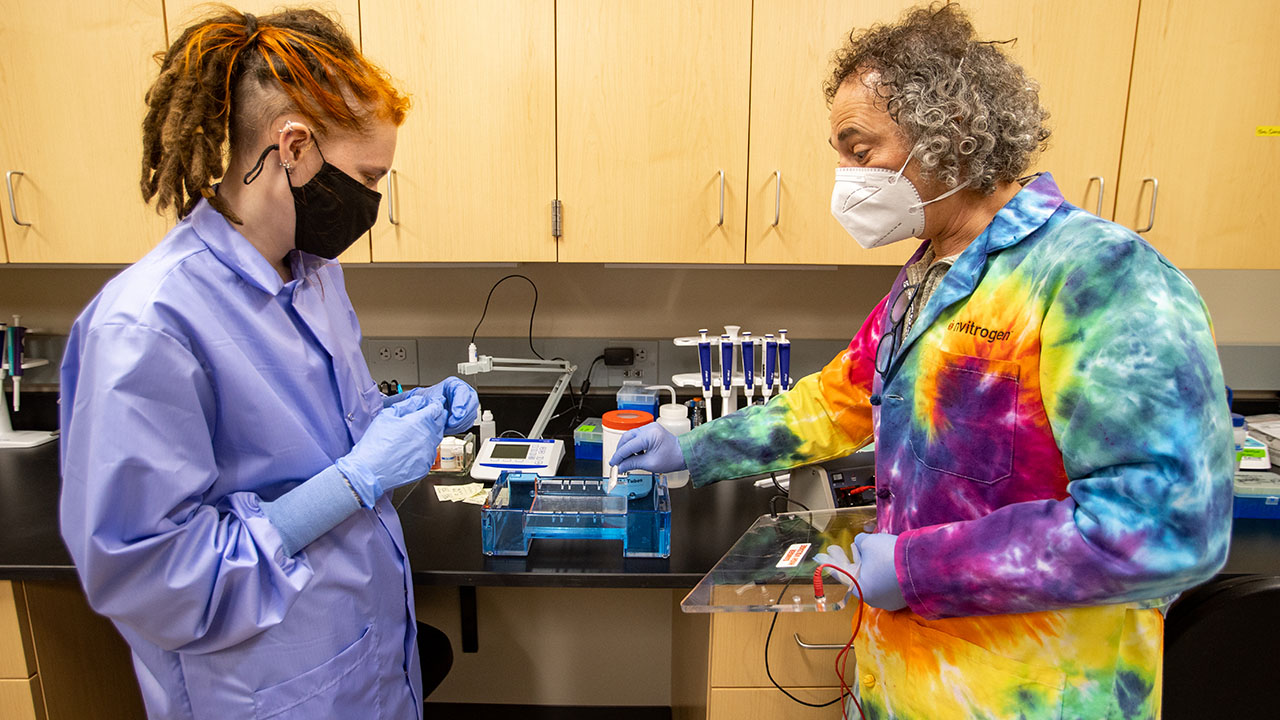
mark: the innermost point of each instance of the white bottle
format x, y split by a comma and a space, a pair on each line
487, 426
675, 418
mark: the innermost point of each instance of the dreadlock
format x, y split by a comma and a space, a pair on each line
228, 75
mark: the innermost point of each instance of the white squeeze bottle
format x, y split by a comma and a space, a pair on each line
675, 418
487, 426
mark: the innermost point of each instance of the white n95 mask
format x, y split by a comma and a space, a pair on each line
879, 206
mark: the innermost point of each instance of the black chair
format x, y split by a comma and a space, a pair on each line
1222, 650
437, 657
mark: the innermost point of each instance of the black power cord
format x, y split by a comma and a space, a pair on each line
531, 312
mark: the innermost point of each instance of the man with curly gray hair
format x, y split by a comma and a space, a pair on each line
1053, 451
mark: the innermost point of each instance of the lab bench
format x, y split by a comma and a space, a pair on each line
63, 657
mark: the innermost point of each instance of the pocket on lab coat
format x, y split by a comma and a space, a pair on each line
950, 677
344, 686
968, 417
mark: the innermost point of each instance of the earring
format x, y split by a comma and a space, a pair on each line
286, 165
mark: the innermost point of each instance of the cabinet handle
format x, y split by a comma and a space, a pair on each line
1102, 187
13, 207
1155, 189
721, 198
815, 646
391, 198
777, 198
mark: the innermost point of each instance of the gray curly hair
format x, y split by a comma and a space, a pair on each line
970, 112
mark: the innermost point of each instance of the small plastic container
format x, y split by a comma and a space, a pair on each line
588, 446
675, 418
1239, 429
634, 396
616, 423
487, 426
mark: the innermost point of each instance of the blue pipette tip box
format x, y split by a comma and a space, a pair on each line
522, 506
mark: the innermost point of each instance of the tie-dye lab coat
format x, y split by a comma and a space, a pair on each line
1054, 452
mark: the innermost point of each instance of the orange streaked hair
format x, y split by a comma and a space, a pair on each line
227, 75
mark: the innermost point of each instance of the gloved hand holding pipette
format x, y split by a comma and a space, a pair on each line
651, 448
397, 449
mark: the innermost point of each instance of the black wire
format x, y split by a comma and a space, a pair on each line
576, 401
785, 492
531, 312
781, 689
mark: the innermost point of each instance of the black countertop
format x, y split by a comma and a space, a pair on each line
444, 538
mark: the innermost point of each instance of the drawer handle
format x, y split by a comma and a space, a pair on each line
391, 199
1102, 188
721, 198
815, 646
777, 198
1151, 218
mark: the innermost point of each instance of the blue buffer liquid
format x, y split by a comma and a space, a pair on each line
523, 506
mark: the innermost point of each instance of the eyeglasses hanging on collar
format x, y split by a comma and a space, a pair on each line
897, 313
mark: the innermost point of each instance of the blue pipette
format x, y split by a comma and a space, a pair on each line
784, 360
770, 364
749, 365
726, 373
704, 366
14, 352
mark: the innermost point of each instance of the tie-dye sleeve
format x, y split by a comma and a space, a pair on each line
1134, 393
825, 415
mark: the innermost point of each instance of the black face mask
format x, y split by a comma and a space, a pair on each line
331, 210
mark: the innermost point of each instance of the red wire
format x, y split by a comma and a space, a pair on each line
842, 657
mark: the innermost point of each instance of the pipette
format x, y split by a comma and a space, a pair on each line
4, 350
749, 365
784, 360
726, 373
704, 365
14, 335
770, 364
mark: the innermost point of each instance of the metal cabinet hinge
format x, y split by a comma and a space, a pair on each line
555, 219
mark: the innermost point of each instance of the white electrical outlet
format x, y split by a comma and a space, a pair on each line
392, 359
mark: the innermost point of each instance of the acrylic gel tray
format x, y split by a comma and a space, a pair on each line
524, 506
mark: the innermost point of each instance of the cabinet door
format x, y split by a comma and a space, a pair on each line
737, 648
71, 109
1079, 52
181, 13
769, 704
652, 112
1204, 92
474, 174
791, 57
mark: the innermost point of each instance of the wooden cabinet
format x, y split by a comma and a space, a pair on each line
652, 111
1079, 52
71, 92
58, 658
1205, 87
20, 695
475, 169
718, 666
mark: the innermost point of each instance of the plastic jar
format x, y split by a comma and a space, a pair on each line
675, 418
616, 423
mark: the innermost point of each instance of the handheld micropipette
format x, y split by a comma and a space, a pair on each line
726, 374
749, 365
704, 365
14, 335
784, 361
770, 364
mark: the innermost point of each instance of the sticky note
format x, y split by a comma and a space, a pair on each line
1269, 131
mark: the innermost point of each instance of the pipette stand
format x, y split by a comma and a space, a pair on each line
10, 438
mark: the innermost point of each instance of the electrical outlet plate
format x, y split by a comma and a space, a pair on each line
645, 368
392, 359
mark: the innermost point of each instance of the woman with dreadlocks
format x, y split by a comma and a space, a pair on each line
226, 456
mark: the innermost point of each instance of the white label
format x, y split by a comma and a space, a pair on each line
794, 555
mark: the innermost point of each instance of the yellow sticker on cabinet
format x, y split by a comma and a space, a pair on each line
1269, 131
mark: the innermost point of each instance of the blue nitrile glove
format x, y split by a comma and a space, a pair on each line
877, 576
651, 448
397, 449
835, 555
400, 443
455, 395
